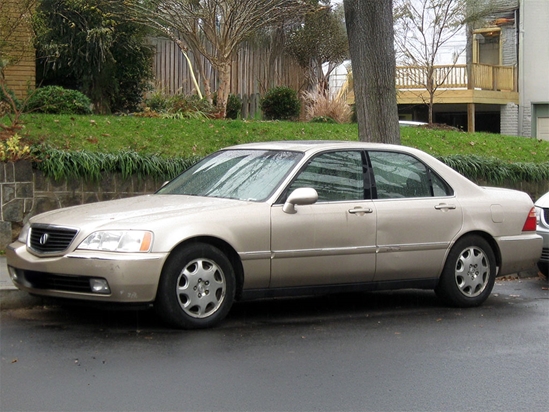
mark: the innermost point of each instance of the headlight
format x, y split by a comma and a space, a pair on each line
539, 211
119, 241
24, 233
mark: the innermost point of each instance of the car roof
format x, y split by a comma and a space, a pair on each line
316, 145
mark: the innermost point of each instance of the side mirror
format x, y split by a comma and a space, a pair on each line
301, 196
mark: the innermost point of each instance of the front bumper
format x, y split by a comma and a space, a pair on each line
131, 277
544, 233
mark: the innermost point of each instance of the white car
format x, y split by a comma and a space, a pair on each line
542, 214
283, 218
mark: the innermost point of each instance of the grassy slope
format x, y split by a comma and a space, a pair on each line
183, 138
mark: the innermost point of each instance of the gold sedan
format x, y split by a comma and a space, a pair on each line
283, 218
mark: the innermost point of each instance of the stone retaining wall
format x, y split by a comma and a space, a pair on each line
26, 192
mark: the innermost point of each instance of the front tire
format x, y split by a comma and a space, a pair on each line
469, 273
196, 288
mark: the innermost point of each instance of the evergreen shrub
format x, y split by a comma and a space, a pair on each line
234, 107
58, 100
281, 103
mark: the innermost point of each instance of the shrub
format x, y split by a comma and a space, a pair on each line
234, 107
192, 104
323, 119
280, 103
178, 106
158, 102
57, 100
13, 149
320, 107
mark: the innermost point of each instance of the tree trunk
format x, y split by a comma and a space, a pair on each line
431, 104
224, 72
99, 98
431, 89
371, 44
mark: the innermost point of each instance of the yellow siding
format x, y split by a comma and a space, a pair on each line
20, 74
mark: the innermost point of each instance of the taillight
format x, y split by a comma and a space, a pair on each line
530, 224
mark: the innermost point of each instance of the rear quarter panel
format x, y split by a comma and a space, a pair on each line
501, 214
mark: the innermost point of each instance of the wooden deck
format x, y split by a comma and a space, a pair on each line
482, 84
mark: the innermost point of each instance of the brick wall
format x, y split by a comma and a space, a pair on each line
509, 45
526, 120
509, 119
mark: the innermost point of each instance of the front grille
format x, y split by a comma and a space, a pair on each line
41, 280
51, 239
545, 254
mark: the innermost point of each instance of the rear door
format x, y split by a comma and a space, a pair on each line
417, 217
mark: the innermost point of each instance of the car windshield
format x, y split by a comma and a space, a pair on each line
235, 174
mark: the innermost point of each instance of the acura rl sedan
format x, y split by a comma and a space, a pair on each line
283, 218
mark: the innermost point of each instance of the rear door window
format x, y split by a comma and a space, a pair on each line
399, 175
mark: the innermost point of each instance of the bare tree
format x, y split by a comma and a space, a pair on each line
216, 28
371, 44
424, 28
320, 44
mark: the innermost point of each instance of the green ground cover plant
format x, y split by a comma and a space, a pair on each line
84, 145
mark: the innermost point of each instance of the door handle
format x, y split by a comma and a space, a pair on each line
444, 206
359, 210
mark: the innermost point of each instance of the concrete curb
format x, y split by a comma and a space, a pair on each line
17, 299
10, 296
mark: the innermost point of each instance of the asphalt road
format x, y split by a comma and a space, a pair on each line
384, 351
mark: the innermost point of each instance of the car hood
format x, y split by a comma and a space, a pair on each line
543, 201
136, 211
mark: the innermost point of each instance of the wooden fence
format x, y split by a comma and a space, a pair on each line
254, 70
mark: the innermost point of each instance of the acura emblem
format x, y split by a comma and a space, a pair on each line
44, 239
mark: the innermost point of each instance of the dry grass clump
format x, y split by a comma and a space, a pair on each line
320, 106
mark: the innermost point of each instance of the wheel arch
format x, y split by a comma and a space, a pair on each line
224, 247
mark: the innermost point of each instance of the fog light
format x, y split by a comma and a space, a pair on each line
13, 273
100, 286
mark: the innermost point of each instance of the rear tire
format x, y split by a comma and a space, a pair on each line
469, 273
196, 288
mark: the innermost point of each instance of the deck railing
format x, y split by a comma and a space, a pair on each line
482, 76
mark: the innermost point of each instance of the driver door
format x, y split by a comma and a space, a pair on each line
334, 240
